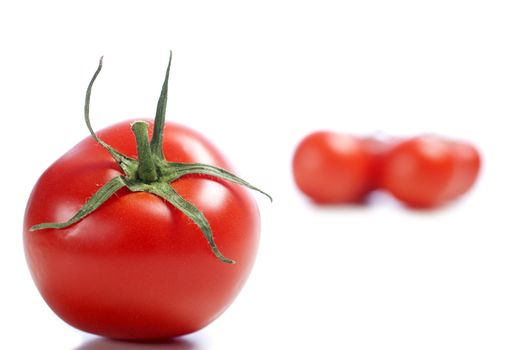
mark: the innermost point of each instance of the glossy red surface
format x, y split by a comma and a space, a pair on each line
137, 268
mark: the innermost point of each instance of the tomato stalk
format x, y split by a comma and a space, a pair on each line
151, 172
146, 170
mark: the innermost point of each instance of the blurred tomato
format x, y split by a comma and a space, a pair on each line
333, 168
427, 171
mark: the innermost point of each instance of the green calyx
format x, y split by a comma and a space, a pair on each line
151, 172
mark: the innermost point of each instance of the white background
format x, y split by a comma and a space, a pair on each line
255, 77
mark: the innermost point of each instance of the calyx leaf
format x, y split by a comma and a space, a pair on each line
91, 205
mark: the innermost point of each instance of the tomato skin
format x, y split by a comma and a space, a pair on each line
378, 149
427, 171
332, 168
137, 268
468, 164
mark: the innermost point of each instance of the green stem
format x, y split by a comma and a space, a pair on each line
147, 170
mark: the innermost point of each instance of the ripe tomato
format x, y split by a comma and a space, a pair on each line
333, 168
136, 267
466, 170
427, 171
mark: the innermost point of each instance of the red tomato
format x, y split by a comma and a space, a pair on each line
468, 163
137, 268
427, 171
332, 167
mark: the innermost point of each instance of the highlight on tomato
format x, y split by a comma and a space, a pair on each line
140, 231
429, 171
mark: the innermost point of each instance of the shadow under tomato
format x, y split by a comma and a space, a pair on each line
361, 203
109, 344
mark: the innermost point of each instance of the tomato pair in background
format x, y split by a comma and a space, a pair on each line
421, 172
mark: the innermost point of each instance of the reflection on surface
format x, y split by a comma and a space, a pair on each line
108, 344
